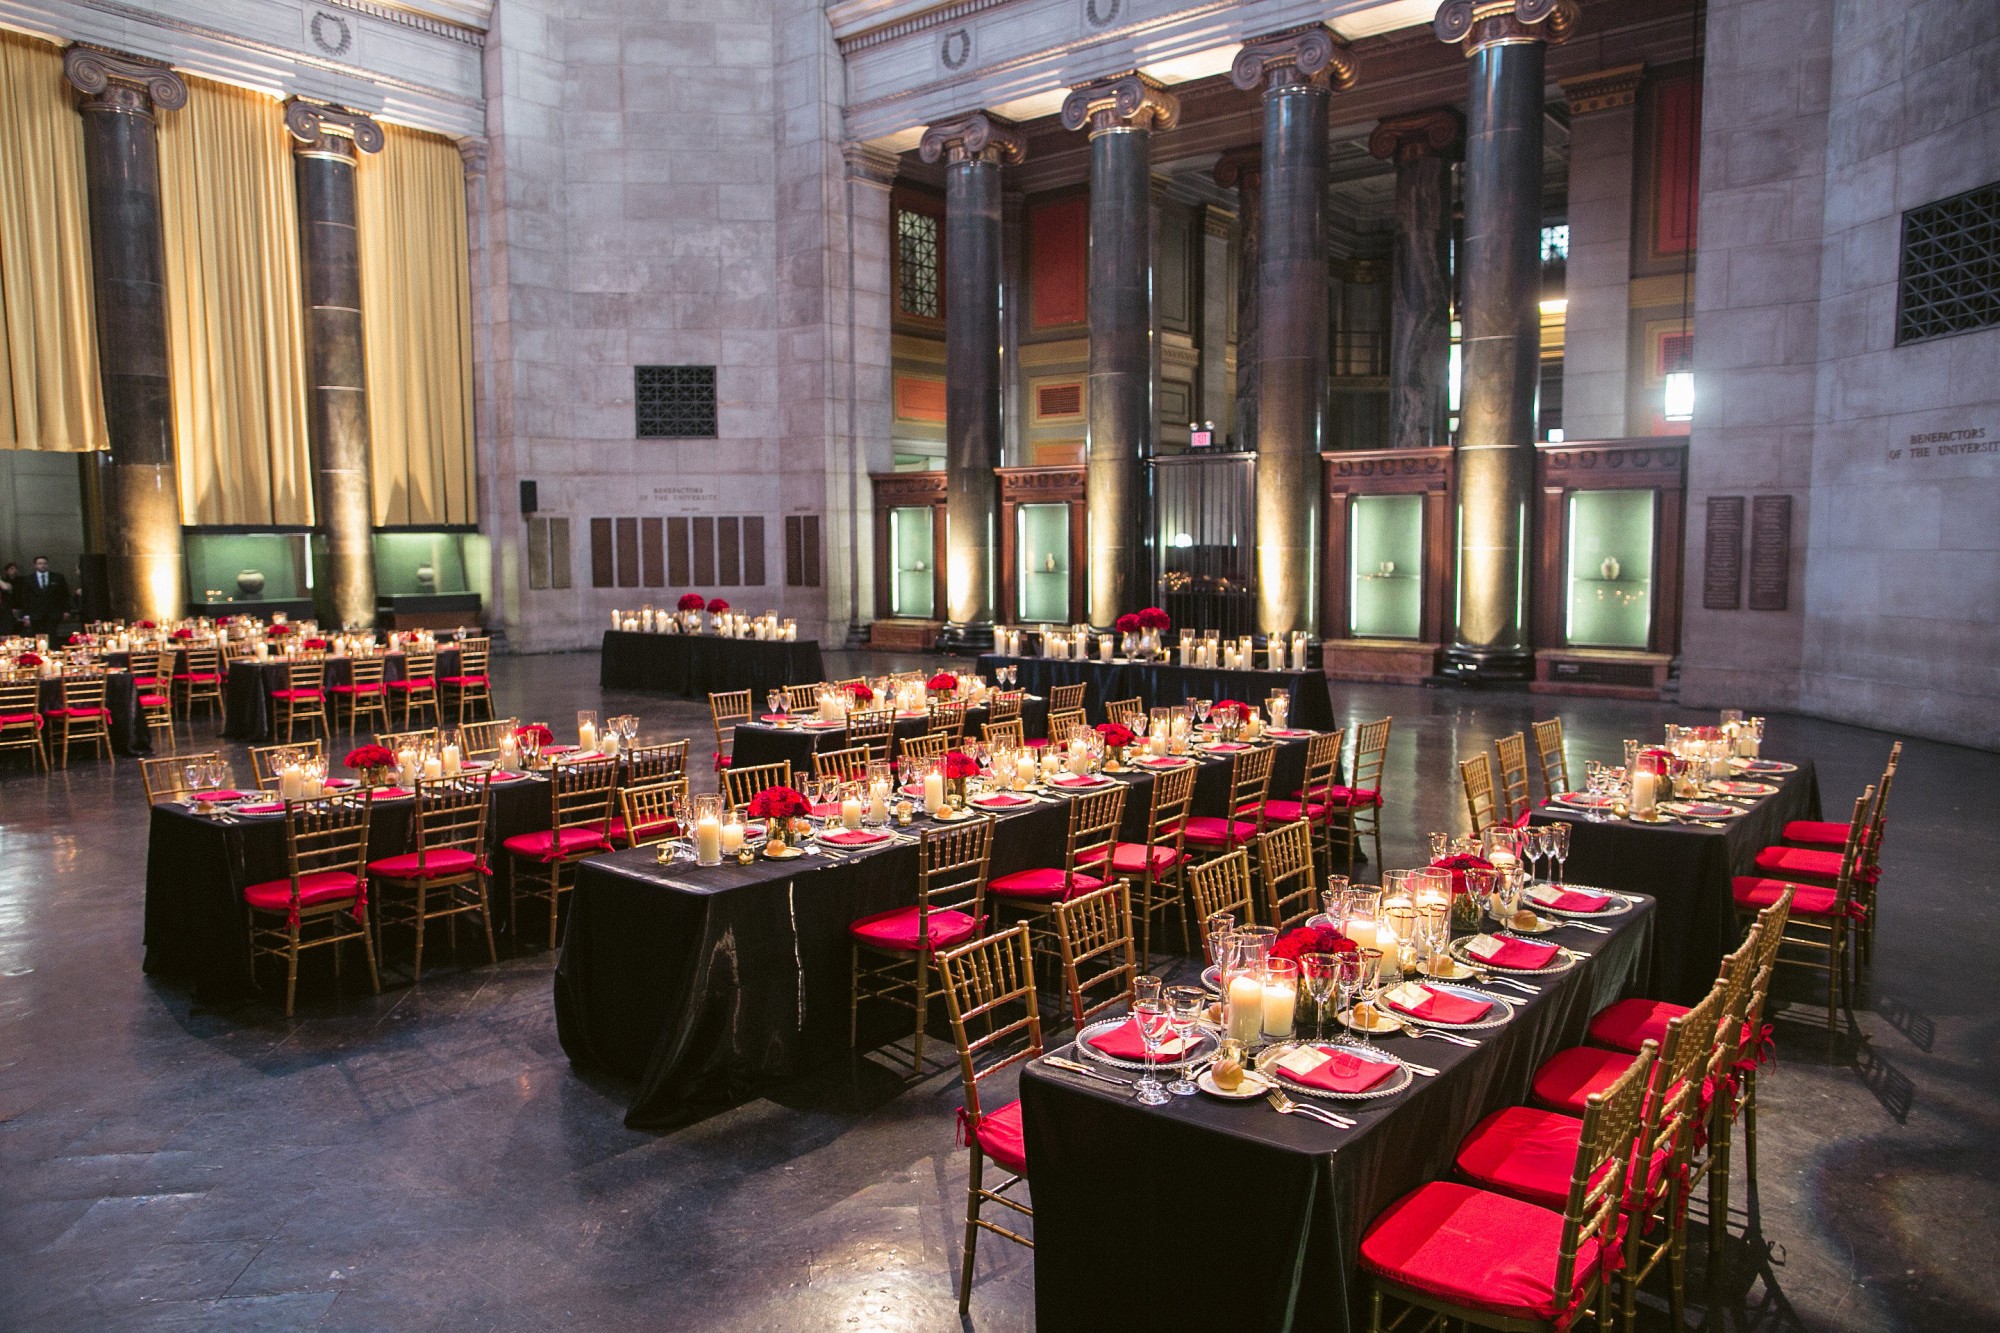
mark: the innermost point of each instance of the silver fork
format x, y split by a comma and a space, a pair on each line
1284, 1105
1452, 1037
1585, 925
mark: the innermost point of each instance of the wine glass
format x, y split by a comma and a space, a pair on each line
1366, 984
1185, 1005
1529, 839
1150, 1016
1321, 971
779, 702
1558, 836
1202, 708
1346, 982
1333, 899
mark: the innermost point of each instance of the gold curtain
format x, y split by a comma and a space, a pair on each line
235, 329
50, 397
416, 313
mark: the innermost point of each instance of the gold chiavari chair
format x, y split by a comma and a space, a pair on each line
923, 749
1321, 767
580, 797
1156, 865
1513, 795
948, 720
1002, 733
396, 741
1476, 774
1249, 785
847, 685
81, 716
323, 899
725, 709
199, 681
1745, 1047
1003, 706
1223, 885
238, 650
1094, 933
1820, 921
21, 720
892, 952
1550, 757
1815, 862
651, 763
154, 671
418, 687
1062, 722
740, 784
446, 875
481, 740
1415, 1254
803, 698
849, 765
157, 708
1067, 698
1357, 807
983, 983
165, 778
302, 697
874, 728
264, 765
1285, 855
471, 687
1092, 834
646, 812
1127, 712
364, 694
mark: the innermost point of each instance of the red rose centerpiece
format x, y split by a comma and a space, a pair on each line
314, 645
29, 659
183, 634
1466, 896
1118, 738
1296, 944
691, 601
147, 624
782, 809
278, 631
943, 683
1153, 618
372, 762
862, 694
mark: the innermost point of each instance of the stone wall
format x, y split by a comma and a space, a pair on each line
1823, 123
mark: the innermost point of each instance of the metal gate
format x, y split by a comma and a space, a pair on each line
1205, 540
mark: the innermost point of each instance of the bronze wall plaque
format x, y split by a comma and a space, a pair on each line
1722, 560
1770, 552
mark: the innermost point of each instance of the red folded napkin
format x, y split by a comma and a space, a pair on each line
1568, 900
1002, 798
776, 717
262, 808
1441, 1006
1227, 747
1075, 780
1124, 1043
1341, 1073
339, 784
852, 837
1291, 731
222, 794
557, 749
1161, 761
508, 777
392, 793
1520, 955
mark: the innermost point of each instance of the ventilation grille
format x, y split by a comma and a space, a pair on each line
1950, 281
674, 402
1059, 400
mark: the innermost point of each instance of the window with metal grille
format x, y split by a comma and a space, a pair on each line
1950, 277
917, 264
1555, 243
674, 402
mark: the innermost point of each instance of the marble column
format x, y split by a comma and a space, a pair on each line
1500, 322
1299, 69
974, 148
141, 494
1597, 278
325, 140
1242, 170
1121, 115
1421, 145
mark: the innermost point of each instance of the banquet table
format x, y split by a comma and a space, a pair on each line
1162, 684
1127, 1196
702, 984
764, 743
1688, 868
129, 734
197, 866
697, 665
246, 691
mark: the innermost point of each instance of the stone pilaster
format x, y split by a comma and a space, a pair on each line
1421, 145
1242, 169
1598, 276
867, 419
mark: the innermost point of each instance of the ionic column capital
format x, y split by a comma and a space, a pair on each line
978, 137
1604, 90
1478, 24
1311, 56
1127, 102
114, 81
325, 128
1438, 132
1240, 168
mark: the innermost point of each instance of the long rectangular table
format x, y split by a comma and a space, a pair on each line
697, 665
765, 743
247, 686
1688, 868
1163, 683
1211, 1214
703, 984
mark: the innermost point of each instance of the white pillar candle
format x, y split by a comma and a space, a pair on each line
1024, 771
850, 812
1276, 653
450, 761
707, 840
732, 837
617, 619
510, 754
608, 743
433, 768
406, 766
1644, 792
291, 783
1246, 1007
1280, 1003
1156, 741
933, 792
586, 735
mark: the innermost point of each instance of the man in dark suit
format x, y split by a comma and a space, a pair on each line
44, 597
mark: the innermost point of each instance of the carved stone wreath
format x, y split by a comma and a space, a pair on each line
342, 36
1101, 13
956, 49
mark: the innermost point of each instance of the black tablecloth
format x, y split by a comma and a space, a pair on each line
197, 929
761, 743
129, 734
1162, 684
697, 665
700, 985
1687, 867
1116, 1186
246, 690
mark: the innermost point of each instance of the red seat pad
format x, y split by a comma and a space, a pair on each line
544, 846
1568, 1077
1807, 900
999, 1136
465, 680
1343, 795
1290, 812
20, 719
1044, 884
1816, 832
425, 682
375, 688
318, 886
647, 827
141, 682
897, 929
154, 701
295, 694
1473, 1248
437, 863
199, 677
79, 714
1530, 1153
1130, 858
1799, 863
1630, 1024
1215, 831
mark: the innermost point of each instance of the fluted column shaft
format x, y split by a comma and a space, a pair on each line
1421, 145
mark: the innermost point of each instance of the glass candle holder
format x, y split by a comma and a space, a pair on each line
708, 829
1280, 998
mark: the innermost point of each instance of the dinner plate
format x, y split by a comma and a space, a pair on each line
1541, 926
1584, 800
1744, 788
1443, 967
868, 838
1253, 1086
1618, 905
951, 816
1211, 977
1762, 766
1499, 1014
1387, 1021
995, 803
1201, 1046
1092, 783
1702, 809
1562, 962
1394, 1084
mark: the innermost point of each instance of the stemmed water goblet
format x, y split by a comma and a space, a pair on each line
1321, 972
1202, 708
1534, 846
779, 701
1150, 1016
1558, 845
1367, 981
1333, 900
1185, 1005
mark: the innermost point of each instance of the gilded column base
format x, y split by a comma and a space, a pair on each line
142, 531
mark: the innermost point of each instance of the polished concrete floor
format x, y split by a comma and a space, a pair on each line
427, 1159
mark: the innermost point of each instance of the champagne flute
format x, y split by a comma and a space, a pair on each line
1333, 899
1322, 971
1184, 1005
1149, 1015
1558, 836
1361, 989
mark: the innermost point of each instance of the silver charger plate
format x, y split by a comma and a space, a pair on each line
1204, 1047
1395, 1083
1562, 963
1619, 905
1501, 1014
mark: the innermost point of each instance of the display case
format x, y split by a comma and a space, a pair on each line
1385, 564
253, 573
422, 580
1042, 560
909, 559
1385, 587
912, 562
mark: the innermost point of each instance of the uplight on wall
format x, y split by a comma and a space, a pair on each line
1679, 396
1183, 540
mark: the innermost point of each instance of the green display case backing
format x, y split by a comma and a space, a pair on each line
401, 558
1385, 566
910, 553
1610, 564
219, 564
1043, 574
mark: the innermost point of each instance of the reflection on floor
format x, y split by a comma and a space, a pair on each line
428, 1158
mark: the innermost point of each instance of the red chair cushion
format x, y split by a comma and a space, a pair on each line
1817, 833
373, 688
647, 828
1808, 900
545, 846
199, 677
999, 1136
465, 680
1044, 884
1799, 862
295, 694
1473, 1248
437, 863
20, 719
1215, 831
1523, 1151
79, 714
154, 701
1630, 1024
1130, 858
897, 929
319, 886
1035, 745
1290, 812
141, 682
1569, 1076
419, 682
1343, 795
